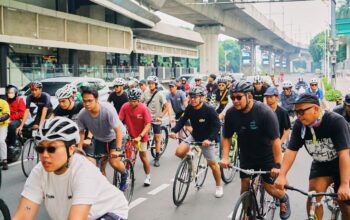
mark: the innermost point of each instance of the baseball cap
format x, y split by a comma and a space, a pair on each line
307, 98
271, 91
347, 99
172, 83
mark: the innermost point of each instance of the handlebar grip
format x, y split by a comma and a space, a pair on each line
289, 187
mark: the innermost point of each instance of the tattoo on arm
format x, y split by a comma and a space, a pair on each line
28, 208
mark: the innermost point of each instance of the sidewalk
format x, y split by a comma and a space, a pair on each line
343, 84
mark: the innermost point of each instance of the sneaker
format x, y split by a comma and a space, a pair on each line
123, 181
4, 165
156, 162
285, 208
219, 192
147, 181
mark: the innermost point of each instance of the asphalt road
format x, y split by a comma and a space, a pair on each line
155, 202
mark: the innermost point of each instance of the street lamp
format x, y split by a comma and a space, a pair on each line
226, 52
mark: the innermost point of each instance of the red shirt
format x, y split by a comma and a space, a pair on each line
135, 119
17, 109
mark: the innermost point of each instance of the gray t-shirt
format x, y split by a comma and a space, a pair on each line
102, 126
177, 101
156, 105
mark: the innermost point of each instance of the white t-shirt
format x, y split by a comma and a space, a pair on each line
82, 183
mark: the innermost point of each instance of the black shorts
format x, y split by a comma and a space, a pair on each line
38, 116
265, 165
99, 147
156, 128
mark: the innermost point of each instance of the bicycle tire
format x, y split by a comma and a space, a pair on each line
29, 158
266, 203
202, 170
182, 179
129, 192
5, 212
228, 174
163, 142
245, 207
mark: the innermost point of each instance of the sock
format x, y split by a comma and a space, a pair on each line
284, 198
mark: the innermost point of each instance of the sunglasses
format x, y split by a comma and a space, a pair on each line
238, 97
313, 84
301, 112
50, 149
193, 96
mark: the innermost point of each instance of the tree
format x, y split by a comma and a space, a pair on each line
316, 48
344, 10
233, 54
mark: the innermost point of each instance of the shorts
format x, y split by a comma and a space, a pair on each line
110, 216
255, 165
143, 147
156, 128
38, 116
99, 147
208, 152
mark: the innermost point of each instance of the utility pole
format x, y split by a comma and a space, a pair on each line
333, 43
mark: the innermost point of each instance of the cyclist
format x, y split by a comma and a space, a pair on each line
301, 84
179, 85
206, 126
70, 186
67, 107
4, 123
221, 94
41, 100
138, 121
177, 99
317, 91
81, 86
344, 109
156, 103
102, 120
288, 96
198, 82
118, 97
325, 136
185, 85
17, 109
229, 81
271, 96
259, 88
143, 85
211, 86
258, 140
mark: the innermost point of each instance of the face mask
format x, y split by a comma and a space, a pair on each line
11, 95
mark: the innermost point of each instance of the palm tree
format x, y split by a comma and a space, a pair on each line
344, 10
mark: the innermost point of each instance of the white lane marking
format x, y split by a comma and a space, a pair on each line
230, 215
136, 202
15, 163
158, 189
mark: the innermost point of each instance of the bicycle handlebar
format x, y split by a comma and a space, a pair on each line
312, 193
251, 172
193, 142
100, 156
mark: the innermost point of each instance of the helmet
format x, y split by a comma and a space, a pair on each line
152, 79
83, 84
73, 87
135, 94
314, 80
287, 84
228, 78
197, 91
257, 79
119, 82
242, 86
35, 84
197, 78
58, 128
65, 92
183, 79
300, 78
222, 80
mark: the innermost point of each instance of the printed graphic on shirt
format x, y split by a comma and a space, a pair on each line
323, 150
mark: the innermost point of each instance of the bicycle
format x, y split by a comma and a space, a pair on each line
312, 195
193, 166
4, 210
163, 141
255, 203
29, 158
228, 174
332, 204
182, 134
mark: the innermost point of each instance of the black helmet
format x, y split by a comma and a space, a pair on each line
197, 91
242, 86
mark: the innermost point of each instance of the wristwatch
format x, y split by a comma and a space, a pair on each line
277, 166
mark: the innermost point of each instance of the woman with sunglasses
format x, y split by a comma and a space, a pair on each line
318, 92
70, 186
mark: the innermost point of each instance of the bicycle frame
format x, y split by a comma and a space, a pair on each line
131, 149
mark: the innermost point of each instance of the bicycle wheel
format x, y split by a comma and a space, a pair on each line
163, 142
266, 203
131, 180
202, 170
227, 174
244, 208
29, 157
5, 212
181, 182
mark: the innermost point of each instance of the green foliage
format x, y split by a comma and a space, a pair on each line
316, 47
344, 10
233, 54
330, 94
341, 53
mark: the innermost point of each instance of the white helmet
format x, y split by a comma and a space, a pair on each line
257, 79
287, 84
300, 79
65, 92
153, 79
314, 80
119, 82
58, 129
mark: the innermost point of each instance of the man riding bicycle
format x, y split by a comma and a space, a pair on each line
325, 136
259, 88
344, 109
318, 92
118, 97
258, 140
288, 96
206, 126
138, 120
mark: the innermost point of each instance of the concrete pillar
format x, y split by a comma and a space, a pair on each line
308, 66
248, 56
187, 62
4, 50
266, 59
209, 51
155, 63
132, 59
278, 62
97, 12
73, 61
138, 59
173, 67
117, 59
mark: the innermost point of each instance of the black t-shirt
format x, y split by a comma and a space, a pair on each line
211, 88
118, 101
43, 101
71, 114
259, 95
256, 130
332, 135
283, 119
340, 109
204, 121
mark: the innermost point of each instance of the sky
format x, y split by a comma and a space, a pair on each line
302, 20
